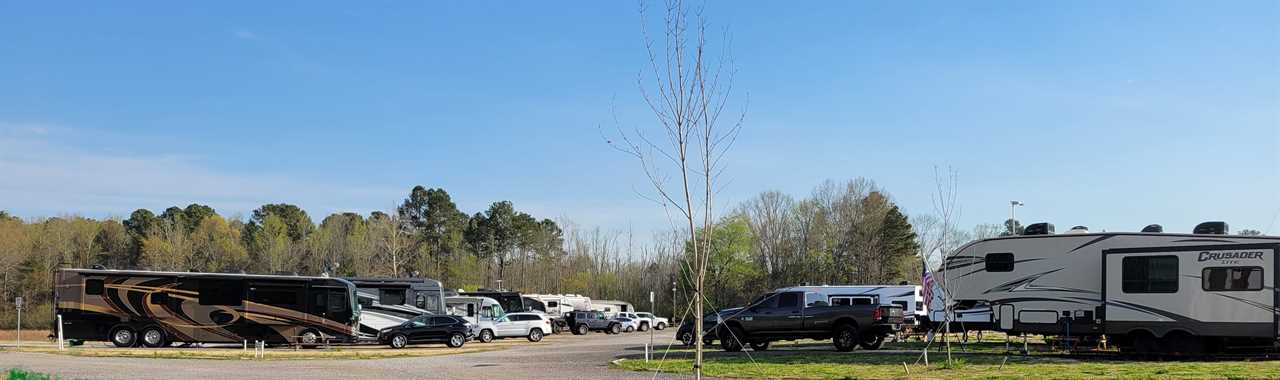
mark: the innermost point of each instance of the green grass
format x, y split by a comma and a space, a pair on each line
973, 360
18, 374
864, 365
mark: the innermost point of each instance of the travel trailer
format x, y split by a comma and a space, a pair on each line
907, 297
1145, 291
387, 302
481, 312
611, 307
557, 306
154, 309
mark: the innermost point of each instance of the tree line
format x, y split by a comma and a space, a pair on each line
848, 232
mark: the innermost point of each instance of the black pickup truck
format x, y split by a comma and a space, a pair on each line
793, 314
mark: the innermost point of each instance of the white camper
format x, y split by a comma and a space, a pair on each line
1147, 291
612, 307
908, 297
482, 312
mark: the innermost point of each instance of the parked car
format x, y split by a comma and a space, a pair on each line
799, 313
530, 325
709, 326
583, 322
652, 320
628, 324
450, 330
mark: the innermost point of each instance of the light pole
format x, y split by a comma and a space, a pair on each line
673, 300
1012, 220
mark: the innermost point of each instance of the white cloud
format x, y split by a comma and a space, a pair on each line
41, 177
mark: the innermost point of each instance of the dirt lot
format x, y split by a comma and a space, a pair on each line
556, 357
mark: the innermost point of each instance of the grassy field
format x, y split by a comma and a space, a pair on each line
975, 360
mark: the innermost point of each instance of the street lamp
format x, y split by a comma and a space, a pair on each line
1012, 220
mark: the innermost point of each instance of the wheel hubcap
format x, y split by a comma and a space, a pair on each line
457, 340
399, 341
152, 337
309, 337
124, 336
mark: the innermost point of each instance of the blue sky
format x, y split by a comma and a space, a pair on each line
1107, 114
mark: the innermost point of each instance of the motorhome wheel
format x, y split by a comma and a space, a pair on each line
123, 337
153, 337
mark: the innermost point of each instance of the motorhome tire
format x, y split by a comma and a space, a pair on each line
309, 338
154, 337
761, 346
732, 340
845, 337
535, 335
871, 341
399, 341
615, 329
456, 340
581, 330
486, 336
124, 336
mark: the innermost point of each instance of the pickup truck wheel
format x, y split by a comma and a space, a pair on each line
687, 338
845, 338
760, 346
732, 340
871, 341
661, 326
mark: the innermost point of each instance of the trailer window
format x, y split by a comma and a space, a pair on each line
93, 287
1150, 274
851, 300
999, 262
1232, 279
221, 292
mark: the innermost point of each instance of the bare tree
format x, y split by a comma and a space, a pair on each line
944, 205
687, 89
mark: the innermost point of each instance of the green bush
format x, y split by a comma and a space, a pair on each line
17, 374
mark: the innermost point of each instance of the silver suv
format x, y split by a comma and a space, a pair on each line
583, 322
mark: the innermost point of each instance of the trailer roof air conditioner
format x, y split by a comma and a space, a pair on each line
1211, 228
1038, 229
1153, 228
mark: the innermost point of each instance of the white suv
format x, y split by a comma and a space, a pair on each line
531, 325
655, 321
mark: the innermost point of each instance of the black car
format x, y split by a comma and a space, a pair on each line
450, 330
709, 327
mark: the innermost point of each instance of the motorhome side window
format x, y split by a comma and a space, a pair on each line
221, 292
1149, 274
93, 287
999, 262
1232, 279
391, 297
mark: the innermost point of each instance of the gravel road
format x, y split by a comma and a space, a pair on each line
570, 357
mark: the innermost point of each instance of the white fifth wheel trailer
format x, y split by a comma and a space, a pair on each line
1147, 292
